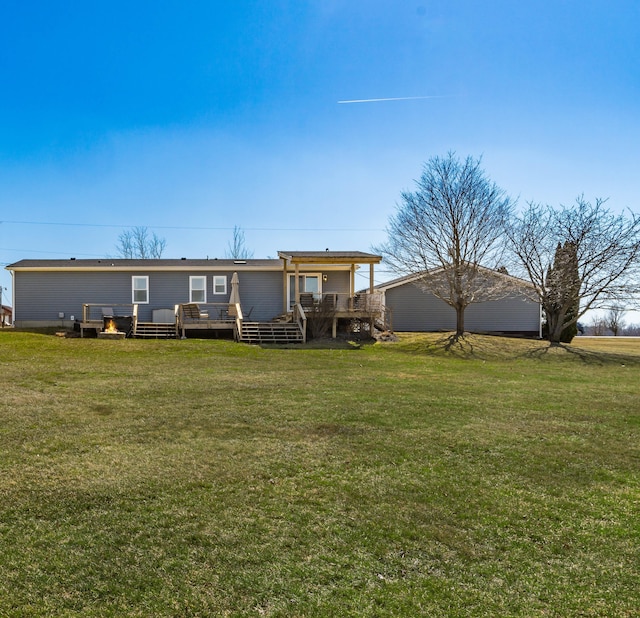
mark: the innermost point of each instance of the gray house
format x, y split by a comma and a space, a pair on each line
175, 296
415, 310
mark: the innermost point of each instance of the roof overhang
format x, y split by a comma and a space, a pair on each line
276, 266
329, 257
122, 265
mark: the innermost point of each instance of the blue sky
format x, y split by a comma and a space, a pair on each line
193, 117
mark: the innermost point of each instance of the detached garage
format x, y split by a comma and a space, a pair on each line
416, 310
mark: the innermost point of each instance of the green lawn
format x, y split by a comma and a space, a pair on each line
495, 477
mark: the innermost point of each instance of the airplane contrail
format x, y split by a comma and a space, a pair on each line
394, 99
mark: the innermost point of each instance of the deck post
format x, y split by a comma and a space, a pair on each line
371, 284
135, 319
285, 303
352, 282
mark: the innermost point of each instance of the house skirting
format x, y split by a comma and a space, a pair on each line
44, 324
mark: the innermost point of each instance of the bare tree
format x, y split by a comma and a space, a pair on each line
448, 230
613, 319
138, 242
632, 330
598, 326
606, 249
237, 249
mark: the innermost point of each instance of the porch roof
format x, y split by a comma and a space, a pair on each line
329, 257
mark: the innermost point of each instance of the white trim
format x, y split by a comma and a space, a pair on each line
134, 300
203, 289
223, 277
148, 268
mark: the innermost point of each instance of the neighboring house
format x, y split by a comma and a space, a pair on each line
75, 291
414, 309
6, 314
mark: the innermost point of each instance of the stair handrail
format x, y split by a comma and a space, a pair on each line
387, 318
301, 319
239, 320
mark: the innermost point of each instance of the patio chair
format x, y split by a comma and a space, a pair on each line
306, 300
329, 301
191, 311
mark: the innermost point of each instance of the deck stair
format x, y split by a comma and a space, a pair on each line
271, 332
156, 330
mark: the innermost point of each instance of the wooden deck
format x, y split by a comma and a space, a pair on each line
363, 307
211, 316
93, 315
188, 316
222, 316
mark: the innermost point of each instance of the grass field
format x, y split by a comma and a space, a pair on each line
494, 477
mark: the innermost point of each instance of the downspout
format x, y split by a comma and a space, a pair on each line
540, 321
13, 298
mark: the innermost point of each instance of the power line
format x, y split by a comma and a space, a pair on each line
51, 252
207, 228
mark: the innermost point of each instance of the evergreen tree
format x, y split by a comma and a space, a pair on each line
561, 301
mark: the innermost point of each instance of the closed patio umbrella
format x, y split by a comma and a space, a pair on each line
234, 297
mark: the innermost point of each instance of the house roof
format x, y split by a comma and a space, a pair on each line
137, 264
330, 257
394, 283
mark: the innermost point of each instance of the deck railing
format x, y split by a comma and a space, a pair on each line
343, 302
94, 312
386, 318
206, 312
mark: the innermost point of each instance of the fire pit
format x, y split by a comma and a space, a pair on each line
117, 327
113, 335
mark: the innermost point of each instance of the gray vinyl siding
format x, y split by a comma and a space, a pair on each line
513, 314
41, 295
417, 310
260, 294
337, 281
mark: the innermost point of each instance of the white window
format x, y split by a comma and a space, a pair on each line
311, 283
140, 290
197, 289
219, 284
